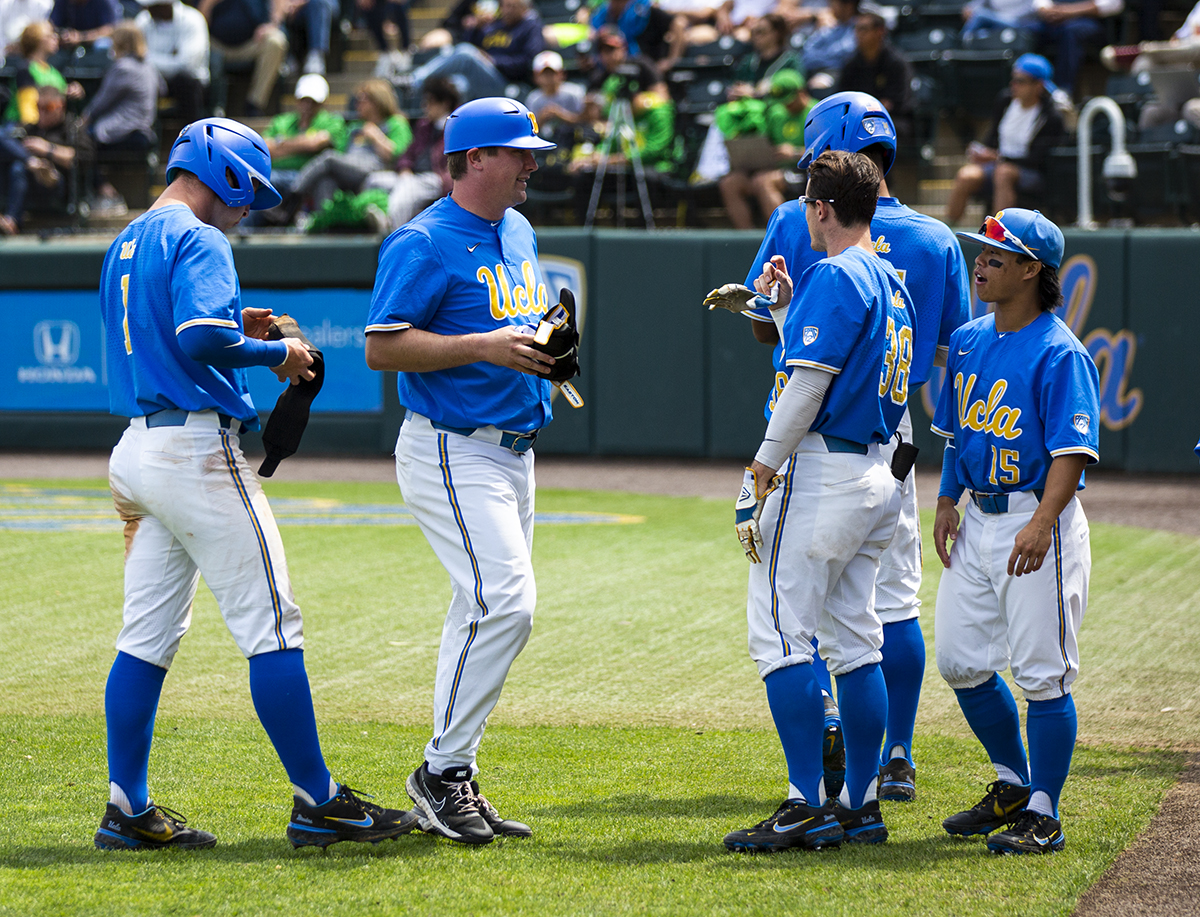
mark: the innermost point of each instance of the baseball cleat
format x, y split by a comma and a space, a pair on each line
345, 817
863, 825
897, 781
1001, 807
833, 750
795, 826
1032, 833
157, 827
447, 805
501, 826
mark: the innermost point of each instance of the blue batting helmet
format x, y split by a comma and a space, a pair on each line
228, 157
849, 121
495, 121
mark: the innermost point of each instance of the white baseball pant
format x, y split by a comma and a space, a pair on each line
899, 578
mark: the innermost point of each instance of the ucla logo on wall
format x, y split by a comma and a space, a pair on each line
1113, 352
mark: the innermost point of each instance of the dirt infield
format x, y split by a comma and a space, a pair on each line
1158, 875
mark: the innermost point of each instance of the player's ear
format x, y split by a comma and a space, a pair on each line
1032, 269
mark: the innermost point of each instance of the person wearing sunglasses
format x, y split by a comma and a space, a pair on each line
1020, 412
819, 504
931, 264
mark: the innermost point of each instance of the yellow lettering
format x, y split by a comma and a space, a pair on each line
483, 275
127, 249
505, 291
987, 417
882, 247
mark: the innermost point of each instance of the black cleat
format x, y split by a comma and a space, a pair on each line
446, 805
794, 826
1033, 832
1001, 807
157, 827
897, 781
501, 826
833, 750
346, 817
863, 825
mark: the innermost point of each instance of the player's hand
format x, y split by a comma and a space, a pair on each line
510, 346
757, 484
945, 525
775, 273
732, 296
295, 367
1030, 547
255, 323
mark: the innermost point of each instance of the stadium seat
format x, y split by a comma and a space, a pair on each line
702, 92
553, 11
1131, 91
723, 52
925, 47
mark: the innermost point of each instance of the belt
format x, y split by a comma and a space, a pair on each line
519, 443
994, 504
175, 417
837, 444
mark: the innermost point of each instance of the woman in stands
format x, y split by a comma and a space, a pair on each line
37, 43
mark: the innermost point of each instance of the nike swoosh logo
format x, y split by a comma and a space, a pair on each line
439, 804
361, 822
471, 248
798, 824
963, 353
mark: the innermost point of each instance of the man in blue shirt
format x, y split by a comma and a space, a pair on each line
828, 515
456, 295
178, 344
1020, 411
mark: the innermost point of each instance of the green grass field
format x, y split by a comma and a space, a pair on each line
632, 735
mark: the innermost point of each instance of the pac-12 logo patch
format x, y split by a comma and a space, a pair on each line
1081, 422
810, 334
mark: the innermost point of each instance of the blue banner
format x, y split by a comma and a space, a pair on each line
52, 351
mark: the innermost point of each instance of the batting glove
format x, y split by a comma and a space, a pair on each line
736, 298
747, 510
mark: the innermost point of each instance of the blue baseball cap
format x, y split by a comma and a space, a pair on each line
1038, 67
1025, 232
494, 121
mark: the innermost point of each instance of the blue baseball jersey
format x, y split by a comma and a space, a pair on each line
854, 318
1017, 400
924, 252
168, 271
451, 272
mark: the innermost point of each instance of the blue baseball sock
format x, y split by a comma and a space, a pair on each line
863, 697
130, 704
1051, 726
821, 670
794, 694
903, 669
283, 702
992, 715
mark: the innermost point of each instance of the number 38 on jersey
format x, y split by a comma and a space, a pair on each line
893, 378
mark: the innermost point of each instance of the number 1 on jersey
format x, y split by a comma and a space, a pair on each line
125, 306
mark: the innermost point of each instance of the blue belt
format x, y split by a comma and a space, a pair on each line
519, 443
994, 504
837, 444
175, 417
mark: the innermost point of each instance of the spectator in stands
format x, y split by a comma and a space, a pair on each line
81, 22
877, 69
1069, 27
648, 31
772, 52
177, 46
555, 103
1011, 161
421, 175
493, 56
830, 46
38, 41
618, 75
375, 14
249, 30
120, 117
50, 152
1172, 67
781, 119
985, 15
15, 15
464, 17
737, 17
375, 143
697, 18
313, 19
659, 147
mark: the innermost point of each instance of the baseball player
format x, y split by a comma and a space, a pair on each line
828, 515
930, 262
1020, 413
178, 343
455, 295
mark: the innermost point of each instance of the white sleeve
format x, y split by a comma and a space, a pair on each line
795, 410
1109, 7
